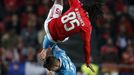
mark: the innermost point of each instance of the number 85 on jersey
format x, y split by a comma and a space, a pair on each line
71, 18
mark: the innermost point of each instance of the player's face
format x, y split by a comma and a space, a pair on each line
55, 67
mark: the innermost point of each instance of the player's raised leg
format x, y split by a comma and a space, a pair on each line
54, 12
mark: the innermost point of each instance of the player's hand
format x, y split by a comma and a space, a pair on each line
91, 68
42, 54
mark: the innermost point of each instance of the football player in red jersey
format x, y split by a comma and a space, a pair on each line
60, 26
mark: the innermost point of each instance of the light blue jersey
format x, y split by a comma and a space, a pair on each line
66, 65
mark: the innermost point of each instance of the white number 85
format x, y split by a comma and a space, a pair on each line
72, 18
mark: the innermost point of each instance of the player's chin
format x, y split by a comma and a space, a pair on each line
53, 69
51, 73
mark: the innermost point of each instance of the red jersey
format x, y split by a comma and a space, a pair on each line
75, 20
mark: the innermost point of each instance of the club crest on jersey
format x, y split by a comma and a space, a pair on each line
76, 9
58, 11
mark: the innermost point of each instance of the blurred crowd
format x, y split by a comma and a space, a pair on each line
116, 32
22, 31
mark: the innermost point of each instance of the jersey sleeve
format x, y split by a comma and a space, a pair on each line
47, 43
86, 37
73, 3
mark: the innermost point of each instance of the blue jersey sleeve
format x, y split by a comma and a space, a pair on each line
47, 43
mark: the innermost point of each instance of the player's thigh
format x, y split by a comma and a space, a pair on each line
55, 11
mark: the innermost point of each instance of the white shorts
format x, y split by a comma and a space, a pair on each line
54, 12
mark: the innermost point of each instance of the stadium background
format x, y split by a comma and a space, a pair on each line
21, 33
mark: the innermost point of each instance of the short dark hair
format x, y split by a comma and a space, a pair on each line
94, 10
50, 62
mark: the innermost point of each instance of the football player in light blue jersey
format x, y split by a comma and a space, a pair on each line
58, 62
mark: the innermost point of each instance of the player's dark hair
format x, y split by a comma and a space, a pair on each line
94, 11
50, 62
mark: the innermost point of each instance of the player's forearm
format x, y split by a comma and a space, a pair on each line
86, 45
59, 2
87, 55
